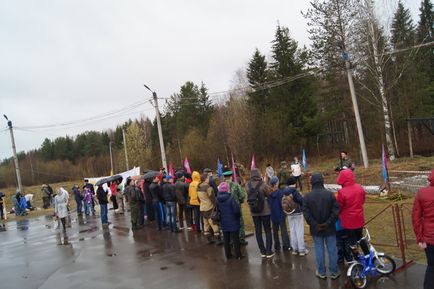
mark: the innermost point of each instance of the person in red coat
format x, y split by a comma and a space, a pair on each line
351, 199
423, 226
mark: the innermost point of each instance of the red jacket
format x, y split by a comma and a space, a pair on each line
423, 213
351, 199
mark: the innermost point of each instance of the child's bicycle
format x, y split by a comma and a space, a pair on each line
369, 265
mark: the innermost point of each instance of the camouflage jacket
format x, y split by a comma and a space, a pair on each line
237, 192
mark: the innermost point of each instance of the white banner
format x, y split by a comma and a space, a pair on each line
131, 173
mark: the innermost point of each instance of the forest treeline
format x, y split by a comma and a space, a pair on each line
286, 99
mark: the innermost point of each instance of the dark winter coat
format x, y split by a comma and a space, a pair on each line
255, 179
230, 212
181, 190
275, 203
147, 191
169, 194
320, 208
77, 194
155, 190
102, 196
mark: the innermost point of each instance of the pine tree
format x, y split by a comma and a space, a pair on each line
257, 75
291, 105
402, 28
425, 34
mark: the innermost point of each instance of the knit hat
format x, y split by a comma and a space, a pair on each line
223, 187
274, 180
291, 181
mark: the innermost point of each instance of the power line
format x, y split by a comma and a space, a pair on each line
125, 111
106, 115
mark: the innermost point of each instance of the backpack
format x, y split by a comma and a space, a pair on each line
289, 206
255, 199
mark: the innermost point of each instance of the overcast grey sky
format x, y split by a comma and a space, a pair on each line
66, 60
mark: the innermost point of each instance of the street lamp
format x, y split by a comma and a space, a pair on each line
160, 132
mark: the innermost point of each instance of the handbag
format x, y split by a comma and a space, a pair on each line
215, 214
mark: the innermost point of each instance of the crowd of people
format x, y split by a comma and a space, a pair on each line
210, 204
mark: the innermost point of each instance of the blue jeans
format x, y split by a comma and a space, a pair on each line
265, 222
158, 215
104, 211
79, 206
330, 242
283, 233
88, 208
171, 215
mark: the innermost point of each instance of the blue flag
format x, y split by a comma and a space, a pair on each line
384, 164
219, 168
304, 161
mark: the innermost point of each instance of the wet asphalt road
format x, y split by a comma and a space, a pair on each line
35, 255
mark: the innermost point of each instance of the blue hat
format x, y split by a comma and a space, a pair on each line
168, 177
274, 180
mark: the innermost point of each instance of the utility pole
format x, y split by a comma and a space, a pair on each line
125, 149
160, 132
355, 106
111, 158
17, 168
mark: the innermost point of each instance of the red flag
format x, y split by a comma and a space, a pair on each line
253, 164
234, 172
187, 165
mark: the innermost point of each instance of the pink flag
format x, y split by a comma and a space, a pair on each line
171, 172
187, 165
253, 164
234, 172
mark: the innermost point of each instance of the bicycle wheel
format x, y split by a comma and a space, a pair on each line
385, 265
357, 277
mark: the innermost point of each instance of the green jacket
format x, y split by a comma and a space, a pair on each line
237, 192
283, 175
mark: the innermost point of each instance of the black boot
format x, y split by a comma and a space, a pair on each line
210, 239
219, 240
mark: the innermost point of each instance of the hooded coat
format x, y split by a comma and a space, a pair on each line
351, 199
61, 203
320, 208
192, 189
423, 213
230, 212
275, 202
206, 196
255, 178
